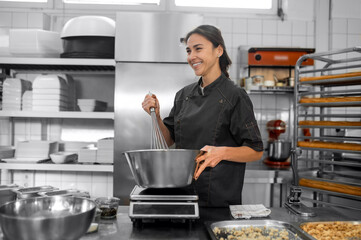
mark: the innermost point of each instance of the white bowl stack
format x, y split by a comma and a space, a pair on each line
13, 90
105, 153
92, 105
27, 101
50, 93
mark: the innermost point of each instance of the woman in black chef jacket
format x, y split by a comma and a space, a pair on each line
214, 115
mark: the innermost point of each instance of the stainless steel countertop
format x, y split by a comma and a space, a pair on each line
122, 227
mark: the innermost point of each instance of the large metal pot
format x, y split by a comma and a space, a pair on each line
47, 218
155, 168
279, 151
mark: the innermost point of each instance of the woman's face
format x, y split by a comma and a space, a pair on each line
202, 56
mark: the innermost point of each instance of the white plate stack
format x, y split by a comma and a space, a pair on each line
27, 101
72, 103
105, 153
13, 90
50, 93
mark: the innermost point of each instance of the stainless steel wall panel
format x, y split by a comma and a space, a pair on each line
132, 124
153, 37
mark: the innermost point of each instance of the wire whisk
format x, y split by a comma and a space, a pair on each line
157, 140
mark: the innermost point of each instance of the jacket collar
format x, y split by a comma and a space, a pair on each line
205, 91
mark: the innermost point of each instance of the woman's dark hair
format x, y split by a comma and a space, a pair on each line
213, 35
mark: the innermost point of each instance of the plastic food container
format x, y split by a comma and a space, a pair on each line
35, 43
108, 207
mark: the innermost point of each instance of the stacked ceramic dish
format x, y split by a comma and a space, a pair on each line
6, 152
92, 105
33, 151
87, 154
27, 101
50, 93
105, 151
13, 89
72, 103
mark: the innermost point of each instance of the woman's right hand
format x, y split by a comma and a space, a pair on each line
149, 102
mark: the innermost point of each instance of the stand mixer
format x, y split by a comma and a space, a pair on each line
278, 150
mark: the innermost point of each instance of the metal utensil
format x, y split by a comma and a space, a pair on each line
154, 168
157, 140
44, 218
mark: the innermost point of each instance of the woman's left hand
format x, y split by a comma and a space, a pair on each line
211, 157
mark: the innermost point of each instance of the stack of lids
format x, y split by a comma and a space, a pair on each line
105, 151
27, 101
50, 93
13, 89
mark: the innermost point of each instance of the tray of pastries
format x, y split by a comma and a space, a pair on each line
335, 79
254, 229
335, 230
331, 101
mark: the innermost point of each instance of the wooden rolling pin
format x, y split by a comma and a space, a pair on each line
344, 75
334, 187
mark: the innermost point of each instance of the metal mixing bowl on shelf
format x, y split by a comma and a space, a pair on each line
279, 151
47, 218
158, 168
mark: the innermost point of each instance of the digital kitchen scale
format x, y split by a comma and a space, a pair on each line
163, 203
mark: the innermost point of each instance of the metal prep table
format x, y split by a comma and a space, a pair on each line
122, 227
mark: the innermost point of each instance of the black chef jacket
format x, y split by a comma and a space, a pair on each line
220, 115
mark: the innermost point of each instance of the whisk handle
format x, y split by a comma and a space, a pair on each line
152, 109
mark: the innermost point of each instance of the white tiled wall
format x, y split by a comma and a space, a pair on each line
297, 30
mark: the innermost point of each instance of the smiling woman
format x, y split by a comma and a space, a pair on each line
215, 116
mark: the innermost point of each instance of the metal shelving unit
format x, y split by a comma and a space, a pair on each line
11, 66
326, 175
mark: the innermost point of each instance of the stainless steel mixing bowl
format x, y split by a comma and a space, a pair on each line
279, 151
47, 218
154, 168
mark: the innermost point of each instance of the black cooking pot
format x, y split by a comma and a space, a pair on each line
88, 47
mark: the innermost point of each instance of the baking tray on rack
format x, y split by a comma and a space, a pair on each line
271, 228
334, 81
330, 150
329, 126
333, 104
331, 229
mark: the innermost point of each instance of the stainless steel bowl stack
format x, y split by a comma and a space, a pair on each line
47, 218
158, 168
